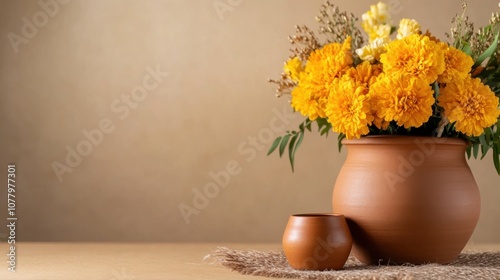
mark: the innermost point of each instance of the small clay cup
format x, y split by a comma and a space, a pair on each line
317, 241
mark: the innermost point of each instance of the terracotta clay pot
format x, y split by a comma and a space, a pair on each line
407, 199
317, 241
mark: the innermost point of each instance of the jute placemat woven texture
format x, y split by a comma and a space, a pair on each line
469, 265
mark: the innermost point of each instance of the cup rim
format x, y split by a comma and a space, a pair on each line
316, 215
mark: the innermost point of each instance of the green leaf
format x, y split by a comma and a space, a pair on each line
468, 151
301, 126
488, 133
496, 157
393, 29
487, 53
274, 145
321, 123
450, 128
325, 131
308, 126
497, 133
475, 149
339, 139
284, 141
297, 145
291, 154
484, 145
466, 48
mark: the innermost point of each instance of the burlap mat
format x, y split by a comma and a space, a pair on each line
469, 265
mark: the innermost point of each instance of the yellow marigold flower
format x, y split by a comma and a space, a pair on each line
458, 64
372, 51
380, 123
303, 102
415, 55
404, 99
348, 108
471, 104
331, 59
365, 73
293, 67
407, 27
322, 67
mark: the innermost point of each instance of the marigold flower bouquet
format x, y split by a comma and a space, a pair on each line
402, 82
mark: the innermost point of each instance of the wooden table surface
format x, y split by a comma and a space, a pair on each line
128, 261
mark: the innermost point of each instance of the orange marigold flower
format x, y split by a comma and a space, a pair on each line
414, 55
365, 73
348, 108
458, 64
322, 67
471, 104
293, 67
403, 99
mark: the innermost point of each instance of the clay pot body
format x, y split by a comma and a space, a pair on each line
407, 199
317, 241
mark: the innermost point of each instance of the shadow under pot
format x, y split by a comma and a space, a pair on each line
317, 241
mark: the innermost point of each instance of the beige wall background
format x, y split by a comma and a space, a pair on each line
209, 109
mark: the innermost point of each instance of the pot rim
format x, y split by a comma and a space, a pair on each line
404, 140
